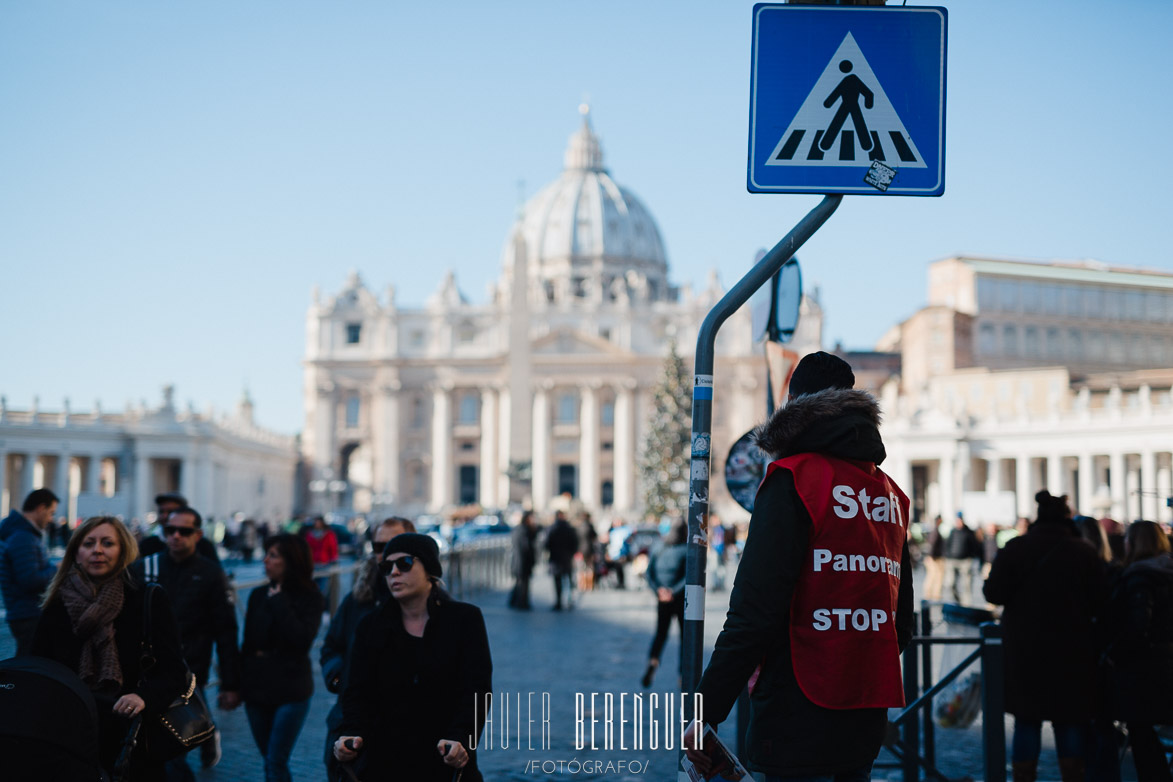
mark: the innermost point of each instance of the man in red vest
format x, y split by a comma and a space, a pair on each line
822, 603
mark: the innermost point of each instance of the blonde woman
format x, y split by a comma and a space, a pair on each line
92, 622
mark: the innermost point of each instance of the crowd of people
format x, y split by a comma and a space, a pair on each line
1087, 616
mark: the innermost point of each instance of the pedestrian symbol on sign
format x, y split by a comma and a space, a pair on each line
820, 134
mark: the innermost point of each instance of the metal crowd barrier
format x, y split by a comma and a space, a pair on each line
912, 732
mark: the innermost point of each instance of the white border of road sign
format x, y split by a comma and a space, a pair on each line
771, 140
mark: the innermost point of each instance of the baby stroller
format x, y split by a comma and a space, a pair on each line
48, 723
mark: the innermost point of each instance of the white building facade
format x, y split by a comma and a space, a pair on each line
542, 390
107, 463
1021, 376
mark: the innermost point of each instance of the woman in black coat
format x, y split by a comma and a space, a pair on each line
93, 624
1051, 583
280, 625
419, 665
1139, 658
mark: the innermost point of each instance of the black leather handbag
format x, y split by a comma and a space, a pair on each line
187, 722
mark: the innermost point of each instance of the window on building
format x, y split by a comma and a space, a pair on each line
352, 411
607, 414
417, 413
607, 494
1054, 343
353, 333
605, 334
1032, 294
466, 333
468, 484
987, 293
1136, 351
1116, 352
469, 410
1010, 340
1115, 304
567, 412
418, 478
1030, 342
1155, 307
1093, 299
1052, 299
1073, 301
1096, 345
607, 445
1075, 344
1008, 295
416, 337
568, 479
1133, 305
987, 339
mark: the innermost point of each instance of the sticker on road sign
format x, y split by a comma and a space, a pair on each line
846, 120
879, 176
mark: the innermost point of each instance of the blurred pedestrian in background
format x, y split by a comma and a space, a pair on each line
25, 571
524, 557
1051, 584
323, 545
562, 545
280, 626
962, 553
1139, 658
666, 576
369, 592
935, 561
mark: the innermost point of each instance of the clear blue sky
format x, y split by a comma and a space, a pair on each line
175, 177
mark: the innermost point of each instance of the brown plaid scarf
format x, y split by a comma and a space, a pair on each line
92, 609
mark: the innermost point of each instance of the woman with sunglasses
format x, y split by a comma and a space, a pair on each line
419, 665
280, 626
93, 624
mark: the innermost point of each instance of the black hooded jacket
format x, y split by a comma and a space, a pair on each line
788, 734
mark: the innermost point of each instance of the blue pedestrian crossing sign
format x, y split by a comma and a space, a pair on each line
847, 99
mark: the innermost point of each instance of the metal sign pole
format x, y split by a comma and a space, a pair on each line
692, 649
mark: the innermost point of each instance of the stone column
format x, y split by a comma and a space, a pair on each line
1055, 474
442, 487
141, 499
91, 479
1148, 485
1117, 483
489, 448
324, 413
624, 448
4, 509
504, 446
1024, 495
946, 487
540, 484
388, 437
1087, 484
1164, 489
588, 448
187, 477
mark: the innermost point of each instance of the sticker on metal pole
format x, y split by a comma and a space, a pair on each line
702, 387
694, 602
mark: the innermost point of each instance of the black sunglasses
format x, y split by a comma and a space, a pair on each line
186, 532
404, 563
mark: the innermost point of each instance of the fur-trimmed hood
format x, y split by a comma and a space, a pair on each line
840, 422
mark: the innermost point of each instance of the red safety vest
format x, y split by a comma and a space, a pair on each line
843, 615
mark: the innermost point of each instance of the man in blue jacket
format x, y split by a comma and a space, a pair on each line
25, 571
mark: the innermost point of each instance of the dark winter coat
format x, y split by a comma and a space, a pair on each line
161, 683
278, 634
962, 544
562, 543
25, 571
404, 694
1051, 583
204, 605
524, 551
788, 734
1138, 666
667, 567
339, 642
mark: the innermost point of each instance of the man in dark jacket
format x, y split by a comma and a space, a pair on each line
666, 576
822, 603
205, 609
962, 552
524, 558
562, 543
25, 571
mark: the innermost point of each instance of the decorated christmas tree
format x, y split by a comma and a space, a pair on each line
663, 461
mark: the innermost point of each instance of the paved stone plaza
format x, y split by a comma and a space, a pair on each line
600, 646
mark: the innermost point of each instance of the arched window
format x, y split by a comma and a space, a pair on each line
469, 409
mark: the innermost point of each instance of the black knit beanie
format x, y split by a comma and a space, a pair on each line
418, 545
820, 371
